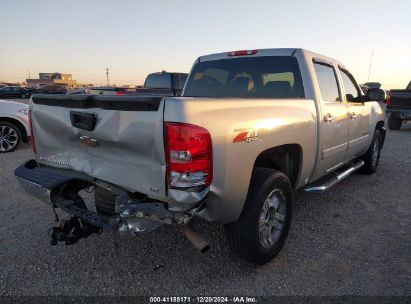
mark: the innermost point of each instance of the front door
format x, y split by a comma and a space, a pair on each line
358, 114
334, 120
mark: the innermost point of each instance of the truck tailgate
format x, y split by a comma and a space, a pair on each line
400, 98
114, 139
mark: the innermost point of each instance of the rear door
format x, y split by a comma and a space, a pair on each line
358, 114
334, 120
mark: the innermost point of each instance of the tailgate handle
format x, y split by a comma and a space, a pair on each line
84, 121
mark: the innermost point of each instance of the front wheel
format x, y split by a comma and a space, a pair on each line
372, 157
260, 232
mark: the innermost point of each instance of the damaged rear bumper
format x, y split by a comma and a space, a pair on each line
42, 182
132, 216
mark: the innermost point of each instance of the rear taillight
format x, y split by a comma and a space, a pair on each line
33, 143
387, 100
120, 93
242, 53
189, 155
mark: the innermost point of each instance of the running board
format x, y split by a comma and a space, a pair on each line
326, 183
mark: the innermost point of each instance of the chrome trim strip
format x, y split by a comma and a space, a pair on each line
334, 150
357, 141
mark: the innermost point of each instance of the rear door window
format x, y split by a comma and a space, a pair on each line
253, 77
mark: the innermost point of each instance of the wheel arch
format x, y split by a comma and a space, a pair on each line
285, 158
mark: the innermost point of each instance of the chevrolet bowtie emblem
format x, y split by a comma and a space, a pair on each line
91, 142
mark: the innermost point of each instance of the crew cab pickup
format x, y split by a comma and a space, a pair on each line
398, 107
251, 127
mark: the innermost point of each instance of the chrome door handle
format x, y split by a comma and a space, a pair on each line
353, 115
328, 118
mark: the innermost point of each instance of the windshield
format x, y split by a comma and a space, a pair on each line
256, 77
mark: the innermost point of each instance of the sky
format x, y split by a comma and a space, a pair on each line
136, 37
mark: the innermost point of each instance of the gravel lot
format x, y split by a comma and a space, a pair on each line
353, 240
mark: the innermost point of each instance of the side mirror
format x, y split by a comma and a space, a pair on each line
375, 94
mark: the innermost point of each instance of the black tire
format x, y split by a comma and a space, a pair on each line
104, 201
5, 146
372, 157
244, 235
394, 123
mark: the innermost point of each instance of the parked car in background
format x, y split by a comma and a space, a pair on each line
398, 107
51, 89
157, 84
163, 84
79, 91
14, 92
14, 125
111, 91
251, 127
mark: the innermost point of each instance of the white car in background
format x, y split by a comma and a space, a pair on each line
14, 125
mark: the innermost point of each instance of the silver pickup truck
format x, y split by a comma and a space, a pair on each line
251, 127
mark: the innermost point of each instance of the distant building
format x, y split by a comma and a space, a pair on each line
52, 78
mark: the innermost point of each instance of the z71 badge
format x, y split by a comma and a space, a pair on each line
246, 135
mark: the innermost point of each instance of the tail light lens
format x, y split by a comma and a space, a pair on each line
120, 93
33, 143
388, 98
189, 155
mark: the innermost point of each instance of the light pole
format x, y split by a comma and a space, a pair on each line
369, 69
108, 81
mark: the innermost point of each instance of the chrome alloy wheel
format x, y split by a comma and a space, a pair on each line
272, 218
8, 138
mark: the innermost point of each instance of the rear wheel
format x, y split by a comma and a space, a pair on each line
394, 123
260, 232
372, 157
10, 137
104, 201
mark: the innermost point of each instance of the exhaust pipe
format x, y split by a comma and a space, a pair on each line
197, 240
